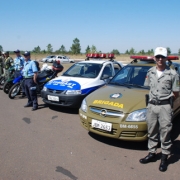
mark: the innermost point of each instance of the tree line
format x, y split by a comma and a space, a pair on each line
76, 49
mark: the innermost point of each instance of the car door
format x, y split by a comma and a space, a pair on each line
65, 59
107, 73
177, 101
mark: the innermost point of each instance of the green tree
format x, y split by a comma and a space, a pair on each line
36, 49
49, 48
43, 51
88, 50
168, 51
115, 51
142, 52
75, 48
127, 52
62, 49
1, 48
132, 51
93, 49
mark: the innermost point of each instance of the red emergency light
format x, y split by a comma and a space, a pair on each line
142, 58
96, 55
103, 55
111, 55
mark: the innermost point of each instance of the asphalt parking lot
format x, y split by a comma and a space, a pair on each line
51, 144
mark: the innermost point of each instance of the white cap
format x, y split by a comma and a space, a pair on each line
160, 51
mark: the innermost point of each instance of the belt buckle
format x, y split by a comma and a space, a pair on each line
155, 102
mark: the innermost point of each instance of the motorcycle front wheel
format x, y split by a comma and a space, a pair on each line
7, 86
2, 81
15, 90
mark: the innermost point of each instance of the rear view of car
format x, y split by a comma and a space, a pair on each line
47, 58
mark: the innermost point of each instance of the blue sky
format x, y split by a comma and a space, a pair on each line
106, 24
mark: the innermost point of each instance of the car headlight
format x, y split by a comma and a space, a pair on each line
73, 92
84, 105
44, 88
137, 116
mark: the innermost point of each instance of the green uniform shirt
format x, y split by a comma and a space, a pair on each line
162, 87
1, 60
8, 63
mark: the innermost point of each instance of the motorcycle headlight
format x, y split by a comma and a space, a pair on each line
73, 92
137, 116
44, 88
84, 106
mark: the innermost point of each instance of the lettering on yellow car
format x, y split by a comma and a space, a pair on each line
83, 116
129, 126
109, 103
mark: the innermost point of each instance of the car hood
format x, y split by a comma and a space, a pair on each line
70, 83
118, 98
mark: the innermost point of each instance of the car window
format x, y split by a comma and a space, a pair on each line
131, 75
107, 70
85, 70
117, 67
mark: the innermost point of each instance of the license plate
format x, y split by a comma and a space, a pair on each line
101, 125
53, 98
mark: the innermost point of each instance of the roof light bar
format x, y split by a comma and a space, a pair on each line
152, 57
97, 55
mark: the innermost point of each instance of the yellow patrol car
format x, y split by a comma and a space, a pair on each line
118, 110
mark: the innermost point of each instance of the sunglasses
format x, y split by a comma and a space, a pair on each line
159, 56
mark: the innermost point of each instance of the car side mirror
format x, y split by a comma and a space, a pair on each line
105, 76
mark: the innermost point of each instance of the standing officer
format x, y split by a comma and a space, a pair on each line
18, 66
18, 63
8, 63
164, 86
30, 74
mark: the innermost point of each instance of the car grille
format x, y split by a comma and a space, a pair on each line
128, 134
107, 112
55, 91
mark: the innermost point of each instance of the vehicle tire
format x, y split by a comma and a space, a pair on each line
14, 91
2, 81
7, 87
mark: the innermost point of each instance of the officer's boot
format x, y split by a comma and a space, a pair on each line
149, 158
163, 165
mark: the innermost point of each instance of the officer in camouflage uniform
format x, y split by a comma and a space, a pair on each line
8, 63
1, 63
164, 85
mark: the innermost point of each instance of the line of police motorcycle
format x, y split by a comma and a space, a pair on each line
12, 84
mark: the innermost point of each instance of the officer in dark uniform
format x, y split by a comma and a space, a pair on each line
164, 85
30, 74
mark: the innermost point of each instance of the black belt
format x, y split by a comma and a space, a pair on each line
159, 102
29, 78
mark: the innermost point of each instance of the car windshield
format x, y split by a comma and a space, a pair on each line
131, 76
84, 70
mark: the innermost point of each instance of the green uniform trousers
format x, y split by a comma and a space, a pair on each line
159, 123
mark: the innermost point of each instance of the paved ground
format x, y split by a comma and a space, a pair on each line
51, 144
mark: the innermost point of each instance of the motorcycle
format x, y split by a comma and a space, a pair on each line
45, 75
8, 77
10, 81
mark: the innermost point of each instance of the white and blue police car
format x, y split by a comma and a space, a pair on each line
79, 80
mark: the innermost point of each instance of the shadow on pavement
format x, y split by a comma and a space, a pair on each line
119, 143
143, 145
64, 109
